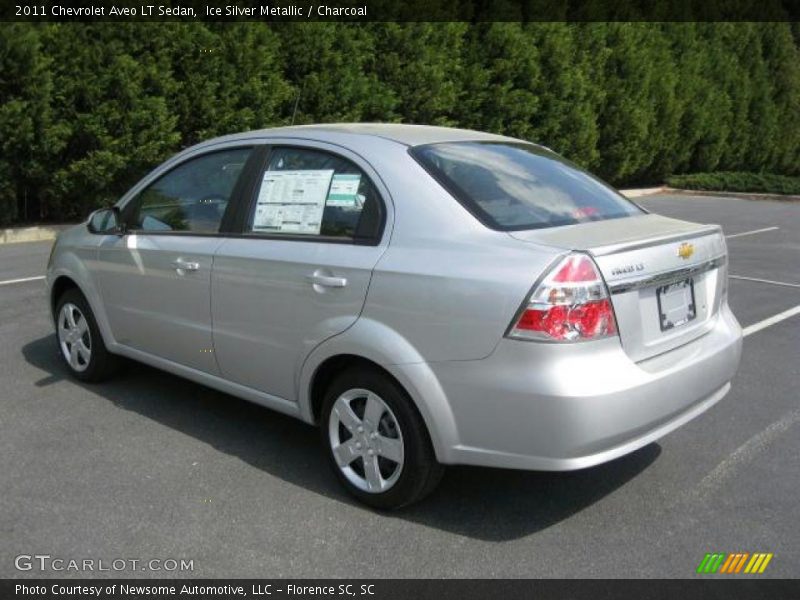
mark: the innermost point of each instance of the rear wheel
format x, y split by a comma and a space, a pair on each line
376, 441
79, 340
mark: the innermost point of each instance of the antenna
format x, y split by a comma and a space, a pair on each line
297, 101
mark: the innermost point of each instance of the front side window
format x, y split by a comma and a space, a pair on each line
305, 192
191, 197
515, 186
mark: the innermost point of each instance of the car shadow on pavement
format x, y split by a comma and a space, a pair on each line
487, 504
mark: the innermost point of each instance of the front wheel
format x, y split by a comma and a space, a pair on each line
79, 339
377, 443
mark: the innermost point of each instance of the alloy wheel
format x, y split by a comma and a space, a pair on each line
366, 440
74, 337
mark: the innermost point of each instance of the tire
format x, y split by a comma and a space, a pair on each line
76, 328
367, 463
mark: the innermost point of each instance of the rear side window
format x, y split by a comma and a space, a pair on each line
510, 186
306, 192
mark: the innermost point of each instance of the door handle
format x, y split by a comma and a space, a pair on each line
327, 281
184, 265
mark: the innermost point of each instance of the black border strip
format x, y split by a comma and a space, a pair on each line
361, 11
700, 587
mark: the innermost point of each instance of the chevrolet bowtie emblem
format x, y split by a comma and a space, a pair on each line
685, 250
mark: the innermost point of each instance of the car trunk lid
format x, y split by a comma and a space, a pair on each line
667, 277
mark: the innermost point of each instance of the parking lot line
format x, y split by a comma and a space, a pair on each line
751, 329
746, 453
770, 281
754, 231
23, 280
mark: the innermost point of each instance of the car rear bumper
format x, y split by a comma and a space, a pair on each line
563, 407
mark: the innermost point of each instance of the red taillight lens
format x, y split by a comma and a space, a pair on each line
571, 304
576, 268
590, 320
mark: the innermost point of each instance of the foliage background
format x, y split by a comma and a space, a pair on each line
85, 110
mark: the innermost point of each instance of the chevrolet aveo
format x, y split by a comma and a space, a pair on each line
426, 296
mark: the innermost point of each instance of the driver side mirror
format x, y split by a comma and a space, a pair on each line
106, 221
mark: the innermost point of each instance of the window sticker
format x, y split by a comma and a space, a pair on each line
292, 201
344, 190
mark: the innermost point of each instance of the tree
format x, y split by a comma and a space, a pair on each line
228, 78
627, 114
566, 96
420, 66
501, 71
87, 109
332, 69
109, 96
782, 65
28, 139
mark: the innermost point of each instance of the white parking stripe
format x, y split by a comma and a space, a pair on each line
746, 453
735, 235
23, 280
750, 329
770, 281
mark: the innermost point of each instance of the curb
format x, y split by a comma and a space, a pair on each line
665, 189
639, 192
742, 195
14, 235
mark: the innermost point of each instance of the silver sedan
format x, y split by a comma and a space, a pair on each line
426, 296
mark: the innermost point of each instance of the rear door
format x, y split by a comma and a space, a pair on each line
156, 279
299, 271
666, 277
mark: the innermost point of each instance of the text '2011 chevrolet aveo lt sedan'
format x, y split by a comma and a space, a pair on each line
426, 295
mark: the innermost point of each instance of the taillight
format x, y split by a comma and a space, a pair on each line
723, 272
571, 304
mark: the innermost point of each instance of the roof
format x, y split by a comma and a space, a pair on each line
408, 135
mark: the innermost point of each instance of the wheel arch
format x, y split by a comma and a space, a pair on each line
375, 346
72, 274
329, 369
60, 285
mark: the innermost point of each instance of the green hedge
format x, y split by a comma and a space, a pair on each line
726, 181
86, 109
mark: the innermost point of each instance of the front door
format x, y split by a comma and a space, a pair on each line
155, 280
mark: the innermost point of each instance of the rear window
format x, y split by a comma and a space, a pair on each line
510, 186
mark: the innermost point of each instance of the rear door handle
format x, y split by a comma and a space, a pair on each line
327, 281
185, 265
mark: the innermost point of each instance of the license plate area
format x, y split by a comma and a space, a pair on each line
676, 304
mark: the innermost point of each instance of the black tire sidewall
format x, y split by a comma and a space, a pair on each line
419, 464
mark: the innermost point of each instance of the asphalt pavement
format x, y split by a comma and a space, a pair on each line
150, 466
